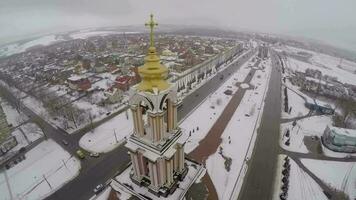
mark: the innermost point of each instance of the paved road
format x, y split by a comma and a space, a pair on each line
260, 175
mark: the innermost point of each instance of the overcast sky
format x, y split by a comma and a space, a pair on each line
333, 21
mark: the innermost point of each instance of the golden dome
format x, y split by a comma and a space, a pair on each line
153, 73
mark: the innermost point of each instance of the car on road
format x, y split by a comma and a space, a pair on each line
94, 155
98, 188
80, 154
65, 142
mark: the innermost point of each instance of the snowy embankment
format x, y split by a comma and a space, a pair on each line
46, 168
301, 185
238, 139
109, 135
338, 175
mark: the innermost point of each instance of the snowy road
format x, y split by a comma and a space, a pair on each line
261, 171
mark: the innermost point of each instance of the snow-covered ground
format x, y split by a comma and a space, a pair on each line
46, 168
311, 126
102, 139
12, 115
22, 47
339, 175
205, 115
87, 34
26, 132
296, 103
242, 131
25, 135
19, 47
341, 74
301, 185
326, 60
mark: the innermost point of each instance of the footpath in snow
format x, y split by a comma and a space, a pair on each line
227, 166
339, 175
301, 185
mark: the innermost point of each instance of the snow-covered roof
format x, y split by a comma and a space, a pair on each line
76, 78
343, 131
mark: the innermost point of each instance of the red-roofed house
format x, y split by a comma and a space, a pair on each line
113, 95
79, 83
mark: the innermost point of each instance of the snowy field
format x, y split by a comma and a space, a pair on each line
22, 47
46, 168
342, 75
326, 60
102, 139
87, 34
339, 175
301, 185
242, 131
12, 116
19, 47
25, 135
296, 103
311, 126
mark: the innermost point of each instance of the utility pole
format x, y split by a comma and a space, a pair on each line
64, 163
44, 177
115, 136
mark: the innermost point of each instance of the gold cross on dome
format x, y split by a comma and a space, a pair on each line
151, 24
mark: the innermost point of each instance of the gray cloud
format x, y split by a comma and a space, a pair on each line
327, 20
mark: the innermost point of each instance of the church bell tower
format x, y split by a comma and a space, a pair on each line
156, 152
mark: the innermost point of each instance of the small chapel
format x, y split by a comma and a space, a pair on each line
155, 149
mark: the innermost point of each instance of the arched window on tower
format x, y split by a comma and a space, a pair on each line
144, 116
168, 114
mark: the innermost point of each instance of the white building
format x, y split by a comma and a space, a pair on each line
339, 139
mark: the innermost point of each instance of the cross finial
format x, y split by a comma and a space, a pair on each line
151, 24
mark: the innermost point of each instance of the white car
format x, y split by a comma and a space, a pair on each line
94, 155
98, 188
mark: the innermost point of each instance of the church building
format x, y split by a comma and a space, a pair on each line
157, 154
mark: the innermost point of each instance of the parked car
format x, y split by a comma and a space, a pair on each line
98, 188
94, 155
80, 154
